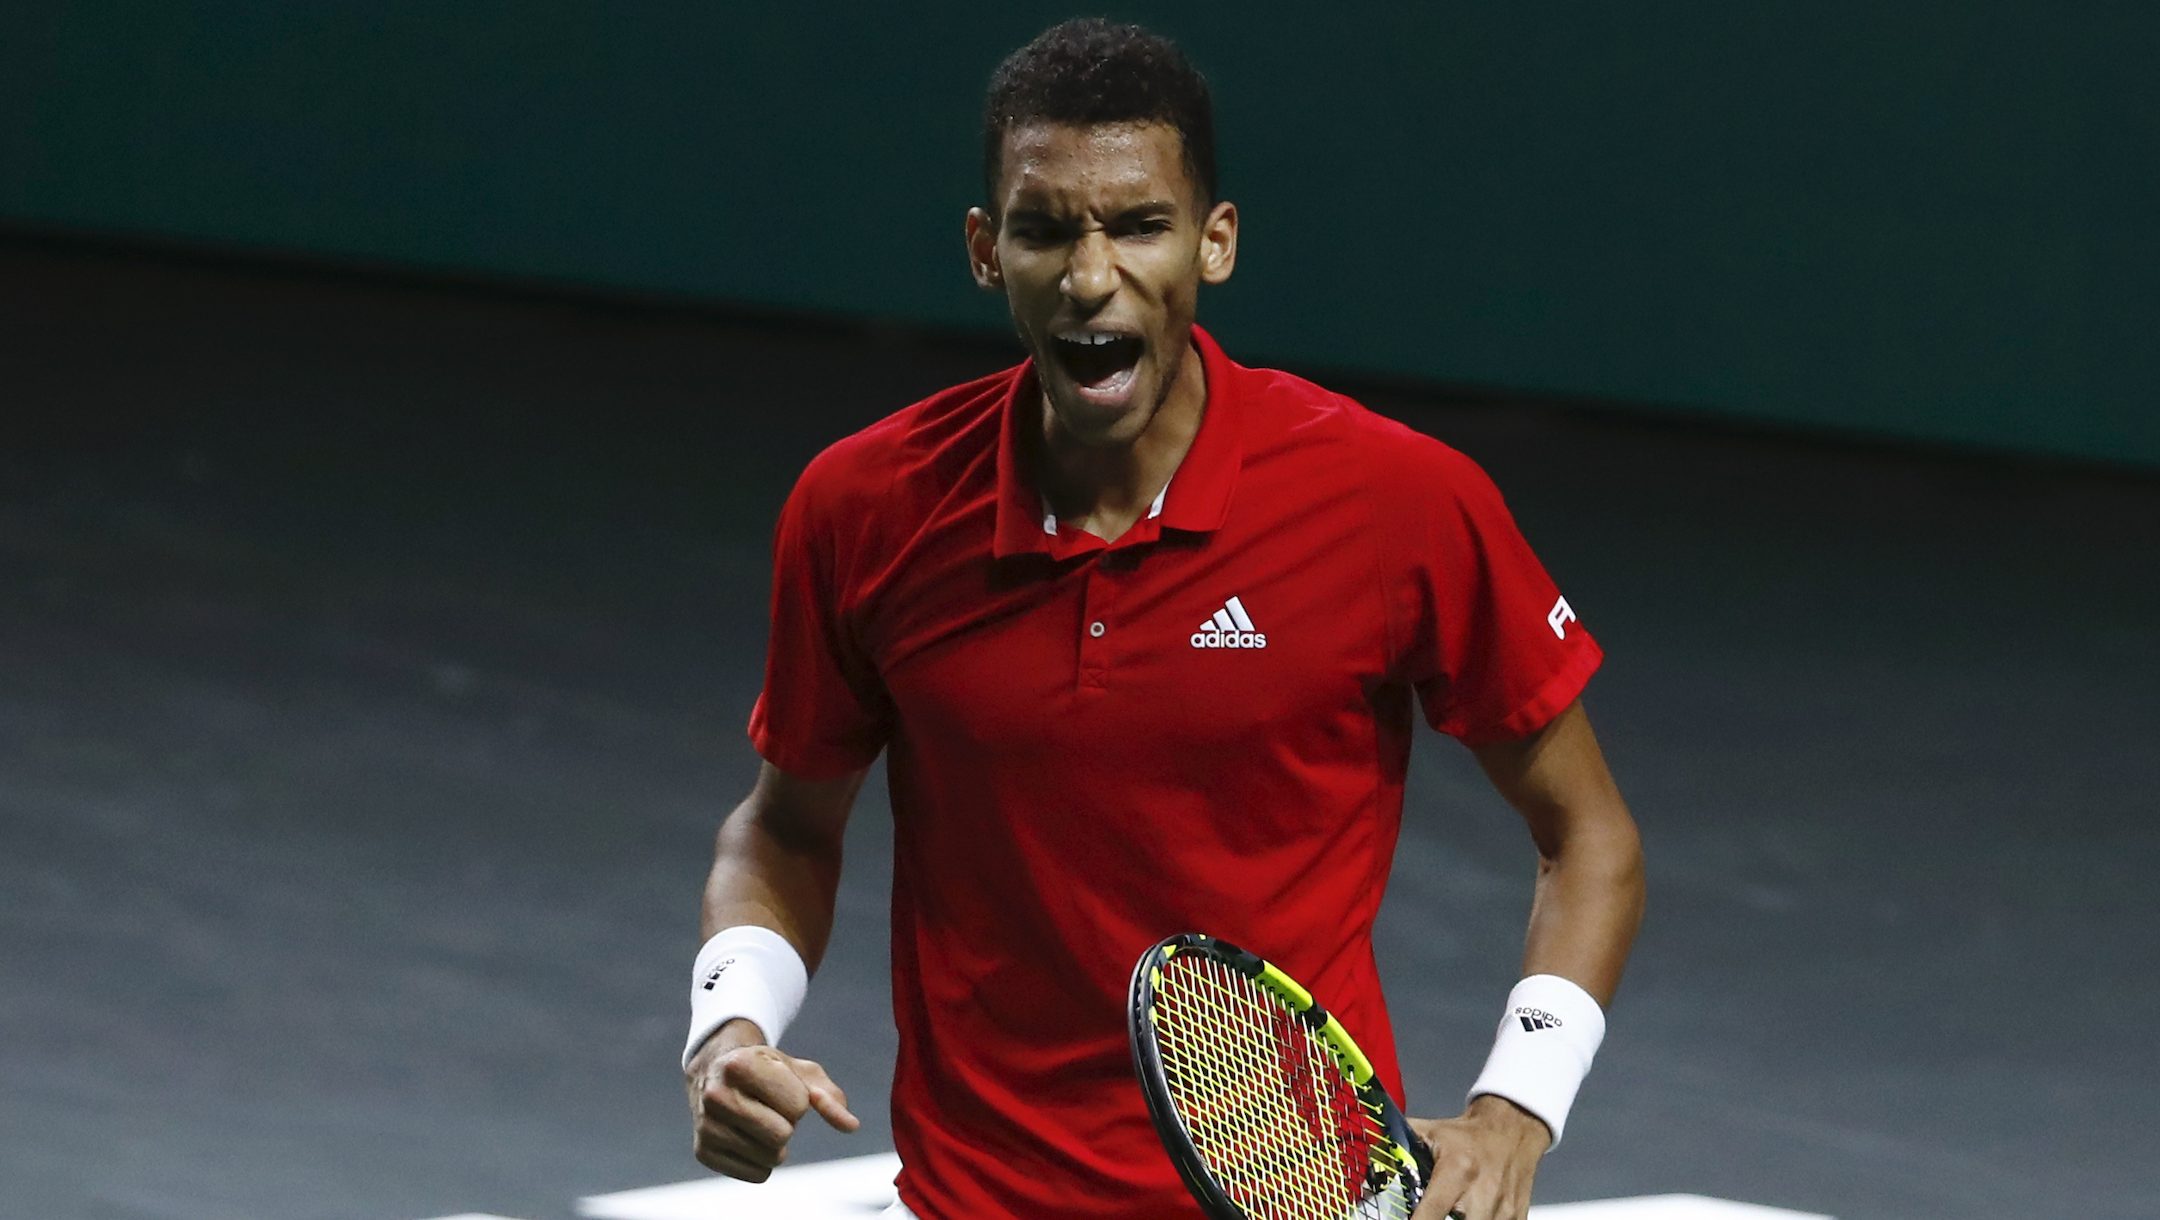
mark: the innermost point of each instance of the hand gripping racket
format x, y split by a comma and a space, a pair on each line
1266, 1105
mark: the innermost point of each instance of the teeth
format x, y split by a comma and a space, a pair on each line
1091, 338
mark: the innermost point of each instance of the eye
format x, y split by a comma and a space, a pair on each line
1038, 234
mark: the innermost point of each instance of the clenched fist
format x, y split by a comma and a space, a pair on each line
746, 1097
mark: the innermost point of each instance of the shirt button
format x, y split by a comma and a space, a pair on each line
1096, 629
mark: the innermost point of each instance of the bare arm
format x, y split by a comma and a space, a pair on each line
1589, 897
776, 864
1588, 902
777, 860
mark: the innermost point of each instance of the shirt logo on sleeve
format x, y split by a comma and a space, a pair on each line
1229, 627
1562, 614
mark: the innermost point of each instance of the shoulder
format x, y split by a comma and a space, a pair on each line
1402, 466
864, 470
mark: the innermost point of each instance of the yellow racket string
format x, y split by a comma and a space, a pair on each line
1266, 1103
1279, 1153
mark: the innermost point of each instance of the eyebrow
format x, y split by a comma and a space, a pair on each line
1151, 207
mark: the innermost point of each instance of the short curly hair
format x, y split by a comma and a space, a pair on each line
1088, 71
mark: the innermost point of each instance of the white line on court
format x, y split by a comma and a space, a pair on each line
846, 1189
1666, 1207
861, 1186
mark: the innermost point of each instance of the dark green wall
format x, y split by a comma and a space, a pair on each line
1926, 219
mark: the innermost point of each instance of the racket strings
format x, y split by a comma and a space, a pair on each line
1267, 1105
1300, 1165
1233, 1100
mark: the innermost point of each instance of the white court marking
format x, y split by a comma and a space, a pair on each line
847, 1189
861, 1186
1667, 1207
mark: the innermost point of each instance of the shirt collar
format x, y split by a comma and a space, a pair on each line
1050, 521
1196, 499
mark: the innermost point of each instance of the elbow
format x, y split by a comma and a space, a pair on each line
1617, 859
1605, 846
762, 825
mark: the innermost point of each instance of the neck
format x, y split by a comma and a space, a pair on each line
1106, 488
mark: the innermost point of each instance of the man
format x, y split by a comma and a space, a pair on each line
1141, 632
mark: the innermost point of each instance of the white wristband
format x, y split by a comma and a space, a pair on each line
1547, 1039
749, 972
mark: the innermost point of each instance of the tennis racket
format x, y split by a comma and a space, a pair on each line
1268, 1108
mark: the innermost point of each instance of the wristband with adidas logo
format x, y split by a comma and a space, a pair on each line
1547, 1038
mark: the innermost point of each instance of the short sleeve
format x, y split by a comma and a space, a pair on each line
1488, 642
823, 711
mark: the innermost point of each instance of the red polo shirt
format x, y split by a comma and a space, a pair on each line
1200, 727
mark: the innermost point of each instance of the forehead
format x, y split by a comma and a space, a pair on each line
1104, 164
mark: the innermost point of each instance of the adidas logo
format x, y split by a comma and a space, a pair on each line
1535, 1019
1230, 627
714, 978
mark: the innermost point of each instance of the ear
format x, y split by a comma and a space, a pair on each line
982, 251
1218, 243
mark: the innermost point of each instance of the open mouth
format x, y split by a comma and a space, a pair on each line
1101, 364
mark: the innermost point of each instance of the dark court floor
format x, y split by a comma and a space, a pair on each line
373, 661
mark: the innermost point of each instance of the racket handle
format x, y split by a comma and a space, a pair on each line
1423, 1156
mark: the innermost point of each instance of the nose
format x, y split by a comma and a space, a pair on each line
1091, 275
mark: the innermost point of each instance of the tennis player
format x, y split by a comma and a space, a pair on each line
1142, 634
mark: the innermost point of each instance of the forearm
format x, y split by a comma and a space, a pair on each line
763, 873
776, 865
1588, 904
769, 872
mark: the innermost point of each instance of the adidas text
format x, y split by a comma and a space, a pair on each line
1229, 627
